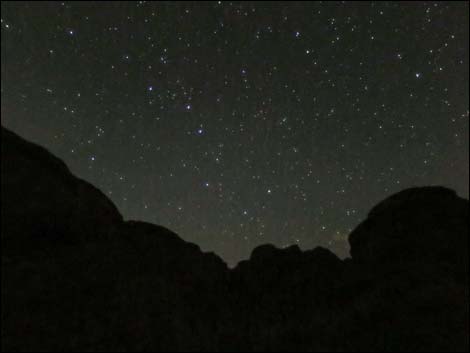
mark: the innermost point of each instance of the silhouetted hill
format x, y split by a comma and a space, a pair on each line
75, 276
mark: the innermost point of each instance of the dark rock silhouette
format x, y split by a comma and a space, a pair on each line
414, 225
76, 277
42, 199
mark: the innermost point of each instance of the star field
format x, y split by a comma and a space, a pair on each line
237, 124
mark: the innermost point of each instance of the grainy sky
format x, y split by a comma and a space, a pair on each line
236, 124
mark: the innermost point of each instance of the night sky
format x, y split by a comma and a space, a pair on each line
238, 124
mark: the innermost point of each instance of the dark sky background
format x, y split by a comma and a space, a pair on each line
237, 124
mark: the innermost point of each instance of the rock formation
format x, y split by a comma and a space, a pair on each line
76, 277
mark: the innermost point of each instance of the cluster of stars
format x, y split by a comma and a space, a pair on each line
240, 124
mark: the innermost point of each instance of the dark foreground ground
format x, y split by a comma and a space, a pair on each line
76, 277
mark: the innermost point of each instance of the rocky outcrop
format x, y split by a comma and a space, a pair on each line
420, 225
409, 275
43, 202
75, 276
